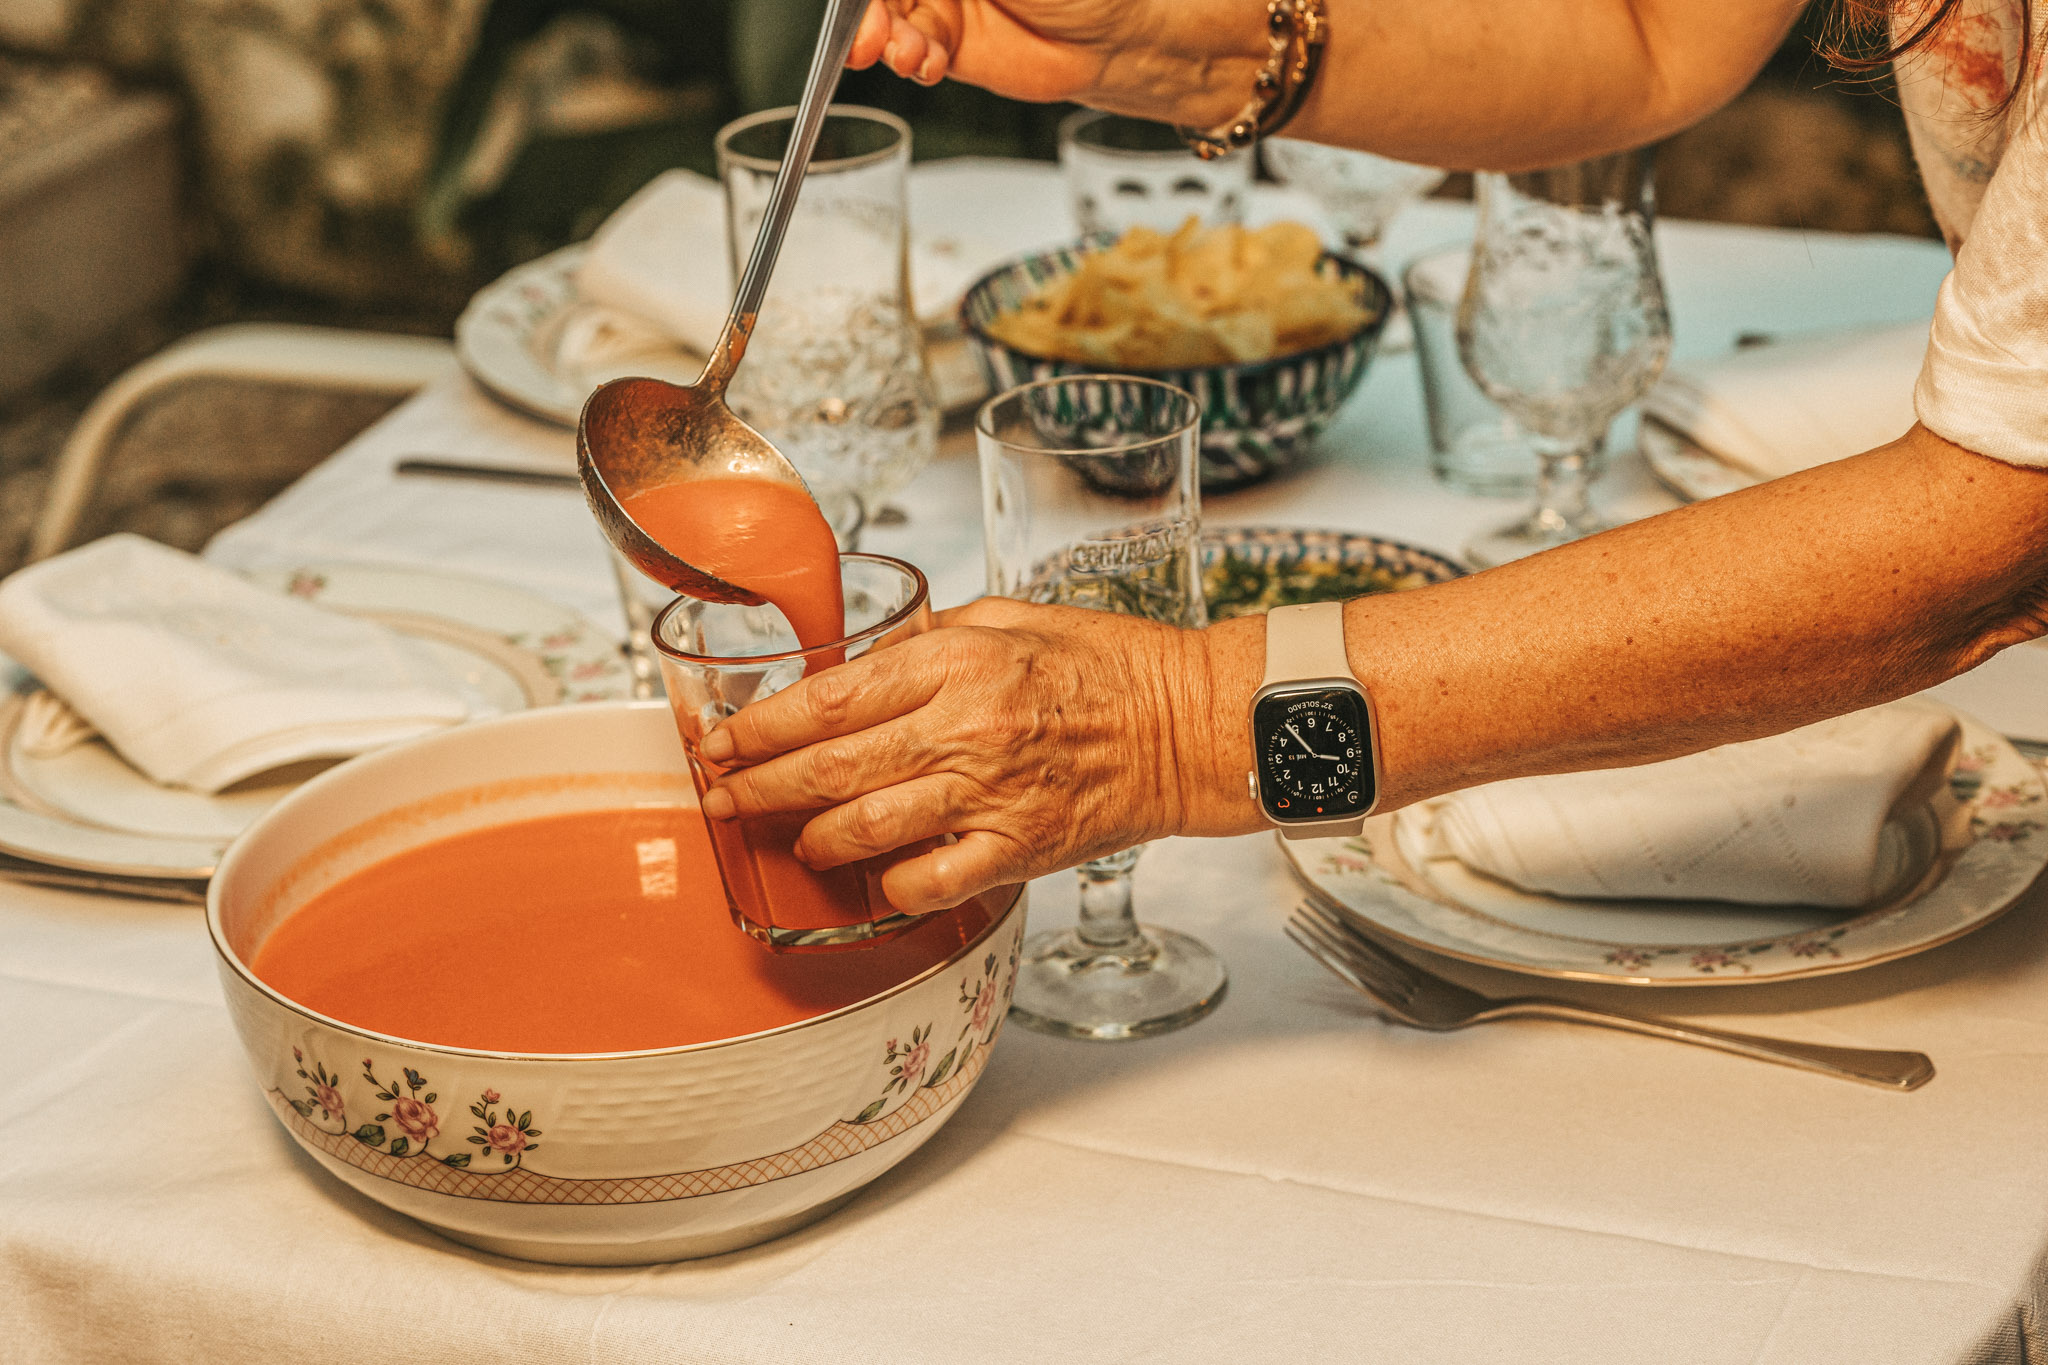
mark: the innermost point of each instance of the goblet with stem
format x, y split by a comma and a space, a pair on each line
1091, 498
1563, 324
1360, 191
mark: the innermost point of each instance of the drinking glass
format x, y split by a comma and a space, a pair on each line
718, 656
1474, 447
1359, 191
836, 374
1127, 172
1090, 498
1563, 323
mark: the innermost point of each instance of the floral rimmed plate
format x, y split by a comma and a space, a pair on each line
1676, 943
1685, 466
510, 338
86, 808
1247, 569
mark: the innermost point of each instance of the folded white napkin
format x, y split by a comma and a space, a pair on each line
1812, 817
1790, 405
199, 678
660, 260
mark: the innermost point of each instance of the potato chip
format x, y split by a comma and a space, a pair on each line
1200, 296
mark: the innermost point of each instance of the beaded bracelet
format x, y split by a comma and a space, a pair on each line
1296, 32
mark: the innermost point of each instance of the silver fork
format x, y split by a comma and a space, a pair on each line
1410, 995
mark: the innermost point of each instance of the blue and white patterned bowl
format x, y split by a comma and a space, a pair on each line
1255, 416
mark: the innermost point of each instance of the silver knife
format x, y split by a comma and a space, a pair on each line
423, 467
106, 884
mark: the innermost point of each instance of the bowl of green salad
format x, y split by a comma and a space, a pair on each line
1251, 569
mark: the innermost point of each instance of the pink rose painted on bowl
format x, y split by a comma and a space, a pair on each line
417, 1119
329, 1100
983, 1003
491, 1097
915, 1061
503, 1137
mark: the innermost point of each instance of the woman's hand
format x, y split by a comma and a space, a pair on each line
1029, 49
1187, 59
1041, 736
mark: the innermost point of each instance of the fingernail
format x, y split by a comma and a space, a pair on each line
889, 55
718, 804
716, 746
927, 72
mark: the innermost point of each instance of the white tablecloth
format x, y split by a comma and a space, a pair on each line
1291, 1180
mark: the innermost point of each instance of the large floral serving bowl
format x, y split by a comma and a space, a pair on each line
1256, 416
609, 1159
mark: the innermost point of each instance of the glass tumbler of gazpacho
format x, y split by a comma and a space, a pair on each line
716, 657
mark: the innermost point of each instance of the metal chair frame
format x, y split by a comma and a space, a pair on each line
327, 358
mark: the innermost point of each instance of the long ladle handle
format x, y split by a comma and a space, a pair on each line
835, 42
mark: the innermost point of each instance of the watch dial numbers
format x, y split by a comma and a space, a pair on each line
1310, 748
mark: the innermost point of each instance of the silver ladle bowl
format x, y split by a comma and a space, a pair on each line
638, 434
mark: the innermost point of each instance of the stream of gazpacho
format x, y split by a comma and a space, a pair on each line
766, 537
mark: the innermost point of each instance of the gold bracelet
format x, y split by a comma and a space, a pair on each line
1296, 32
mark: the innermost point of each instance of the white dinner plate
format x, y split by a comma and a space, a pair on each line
87, 808
509, 335
1998, 845
509, 339
1685, 466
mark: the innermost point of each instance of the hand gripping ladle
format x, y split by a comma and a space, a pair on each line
637, 434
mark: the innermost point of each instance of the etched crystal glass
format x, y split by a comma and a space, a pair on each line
1090, 498
836, 374
1563, 324
1127, 172
1361, 192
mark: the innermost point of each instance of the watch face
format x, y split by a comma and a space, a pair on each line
1314, 754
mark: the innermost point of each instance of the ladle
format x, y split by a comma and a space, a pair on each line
637, 434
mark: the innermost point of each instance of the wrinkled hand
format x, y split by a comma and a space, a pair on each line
1183, 61
1027, 49
1041, 736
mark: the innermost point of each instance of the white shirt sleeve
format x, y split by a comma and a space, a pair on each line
1984, 384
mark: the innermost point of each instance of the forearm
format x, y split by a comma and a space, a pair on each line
1815, 594
1462, 83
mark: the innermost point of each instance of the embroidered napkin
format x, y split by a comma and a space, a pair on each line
1790, 405
199, 678
1810, 817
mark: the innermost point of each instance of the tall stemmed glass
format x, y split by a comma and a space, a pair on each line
1563, 324
1090, 498
1360, 191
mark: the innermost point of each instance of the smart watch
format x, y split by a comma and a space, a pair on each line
1315, 741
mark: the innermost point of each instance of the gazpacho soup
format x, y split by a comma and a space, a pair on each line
599, 931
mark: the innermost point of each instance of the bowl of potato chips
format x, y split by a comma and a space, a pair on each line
1267, 330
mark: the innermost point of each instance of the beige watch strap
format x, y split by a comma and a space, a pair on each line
1305, 642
